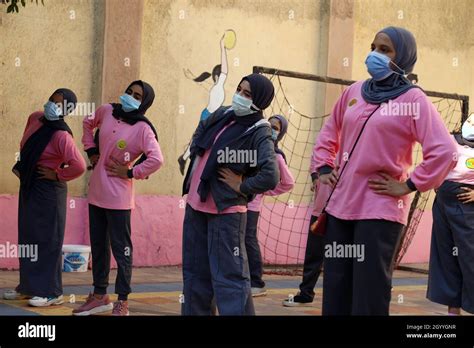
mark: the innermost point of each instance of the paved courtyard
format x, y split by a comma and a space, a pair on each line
157, 290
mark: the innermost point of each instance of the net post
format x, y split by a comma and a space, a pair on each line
465, 109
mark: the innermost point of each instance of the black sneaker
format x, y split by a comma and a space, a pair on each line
298, 301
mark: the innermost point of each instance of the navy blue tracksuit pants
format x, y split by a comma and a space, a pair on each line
313, 262
451, 272
253, 250
215, 265
42, 222
359, 285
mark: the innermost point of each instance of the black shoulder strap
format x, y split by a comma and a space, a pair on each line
350, 154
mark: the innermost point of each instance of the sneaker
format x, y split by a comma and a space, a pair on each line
94, 305
120, 308
256, 292
14, 295
298, 301
46, 301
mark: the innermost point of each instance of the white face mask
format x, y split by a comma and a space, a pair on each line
242, 106
468, 129
52, 112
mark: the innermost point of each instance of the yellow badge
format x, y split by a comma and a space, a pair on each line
121, 144
470, 163
353, 101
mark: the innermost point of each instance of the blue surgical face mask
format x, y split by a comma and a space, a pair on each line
242, 106
52, 112
378, 66
129, 103
275, 135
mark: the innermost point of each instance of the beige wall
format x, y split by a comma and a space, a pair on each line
122, 46
55, 46
340, 47
302, 35
266, 36
443, 30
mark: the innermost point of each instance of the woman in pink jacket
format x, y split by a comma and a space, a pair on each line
380, 119
451, 271
125, 134
49, 158
279, 126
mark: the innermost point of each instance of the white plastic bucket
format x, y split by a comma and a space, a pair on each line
76, 258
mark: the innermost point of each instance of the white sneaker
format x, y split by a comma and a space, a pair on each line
256, 292
14, 295
45, 301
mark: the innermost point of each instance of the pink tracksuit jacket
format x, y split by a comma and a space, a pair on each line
286, 183
386, 145
125, 143
61, 149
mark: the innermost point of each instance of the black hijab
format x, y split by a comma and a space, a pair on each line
37, 142
134, 116
281, 134
262, 92
462, 141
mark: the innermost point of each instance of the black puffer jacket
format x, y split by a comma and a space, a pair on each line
256, 179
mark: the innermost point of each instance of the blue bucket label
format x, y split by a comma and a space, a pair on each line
73, 261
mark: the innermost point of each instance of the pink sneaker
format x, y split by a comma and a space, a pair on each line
94, 305
120, 308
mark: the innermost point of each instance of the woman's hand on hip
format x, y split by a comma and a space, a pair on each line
117, 169
230, 178
467, 196
389, 186
330, 178
47, 173
94, 159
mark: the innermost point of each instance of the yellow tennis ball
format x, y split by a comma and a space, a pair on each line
229, 39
